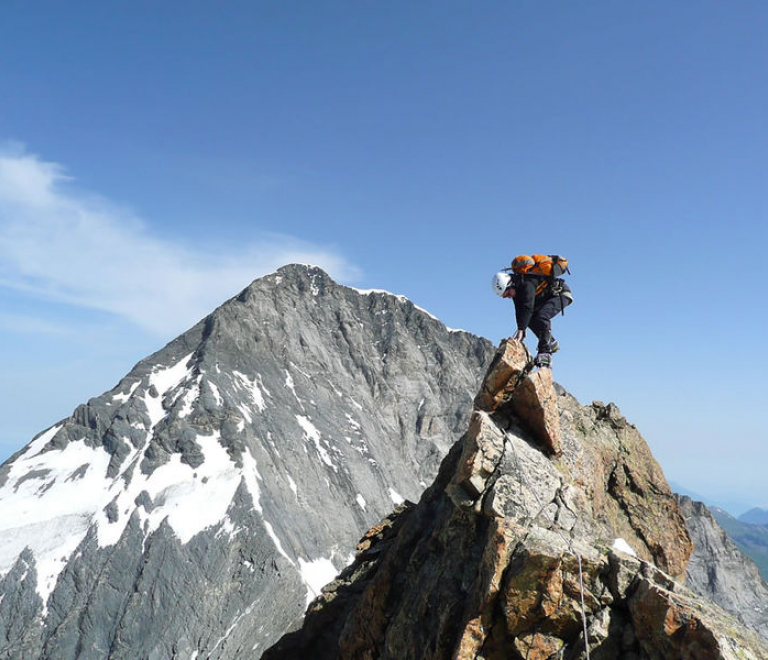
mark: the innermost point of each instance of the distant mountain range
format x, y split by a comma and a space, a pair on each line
756, 516
736, 508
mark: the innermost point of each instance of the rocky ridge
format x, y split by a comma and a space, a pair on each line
750, 538
550, 532
719, 571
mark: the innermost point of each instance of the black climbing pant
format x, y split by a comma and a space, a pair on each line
541, 321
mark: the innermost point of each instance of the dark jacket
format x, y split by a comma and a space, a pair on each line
526, 300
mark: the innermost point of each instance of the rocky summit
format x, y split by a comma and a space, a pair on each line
195, 509
549, 533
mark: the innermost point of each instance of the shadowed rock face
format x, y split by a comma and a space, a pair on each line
502, 550
718, 570
193, 510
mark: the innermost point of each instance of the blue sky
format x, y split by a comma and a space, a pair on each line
157, 157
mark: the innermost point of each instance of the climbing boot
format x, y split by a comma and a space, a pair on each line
543, 360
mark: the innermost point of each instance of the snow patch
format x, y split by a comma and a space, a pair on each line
166, 379
316, 574
622, 546
276, 541
228, 528
251, 477
368, 292
256, 389
155, 409
402, 299
52, 526
395, 497
336, 390
353, 422
189, 499
246, 415
189, 398
122, 398
292, 484
360, 501
312, 434
358, 444
215, 392
36, 446
291, 385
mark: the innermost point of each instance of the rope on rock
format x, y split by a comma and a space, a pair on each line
554, 526
583, 611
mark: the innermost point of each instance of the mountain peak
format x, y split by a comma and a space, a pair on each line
755, 516
302, 270
206, 468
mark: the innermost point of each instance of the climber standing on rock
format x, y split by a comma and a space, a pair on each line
539, 294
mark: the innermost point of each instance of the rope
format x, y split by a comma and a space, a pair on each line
583, 612
568, 542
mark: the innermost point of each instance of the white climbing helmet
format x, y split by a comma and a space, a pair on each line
500, 282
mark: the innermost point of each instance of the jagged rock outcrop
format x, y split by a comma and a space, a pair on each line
515, 550
193, 510
719, 571
530, 396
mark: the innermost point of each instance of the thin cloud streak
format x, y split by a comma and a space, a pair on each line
65, 245
25, 324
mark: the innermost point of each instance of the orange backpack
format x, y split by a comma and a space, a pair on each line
549, 265
547, 268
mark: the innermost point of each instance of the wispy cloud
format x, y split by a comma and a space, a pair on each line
26, 325
66, 245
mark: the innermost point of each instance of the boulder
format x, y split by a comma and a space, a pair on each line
535, 403
510, 384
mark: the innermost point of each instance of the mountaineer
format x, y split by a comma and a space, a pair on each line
539, 293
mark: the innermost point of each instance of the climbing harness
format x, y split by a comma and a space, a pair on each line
522, 478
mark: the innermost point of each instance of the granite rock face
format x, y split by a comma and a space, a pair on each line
719, 571
195, 509
516, 552
751, 539
530, 395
